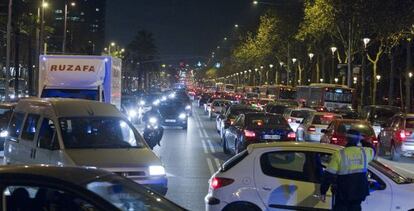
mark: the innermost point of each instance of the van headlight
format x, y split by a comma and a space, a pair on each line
153, 120
141, 102
132, 113
182, 116
156, 102
156, 170
4, 133
188, 107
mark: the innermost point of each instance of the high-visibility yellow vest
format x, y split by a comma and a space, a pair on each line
350, 160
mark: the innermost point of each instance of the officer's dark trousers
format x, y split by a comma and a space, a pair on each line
341, 205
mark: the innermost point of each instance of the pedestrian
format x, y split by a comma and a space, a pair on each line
346, 173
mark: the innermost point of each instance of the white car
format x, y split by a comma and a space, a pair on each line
295, 116
217, 107
311, 127
287, 175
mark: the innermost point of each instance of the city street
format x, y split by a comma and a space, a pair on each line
191, 156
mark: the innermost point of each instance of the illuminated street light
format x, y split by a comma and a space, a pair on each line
112, 44
366, 41
294, 60
410, 74
378, 77
250, 70
245, 72
73, 4
321, 80
271, 65
261, 67
122, 50
333, 49
255, 2
236, 25
311, 55
281, 64
225, 38
45, 5
256, 69
336, 80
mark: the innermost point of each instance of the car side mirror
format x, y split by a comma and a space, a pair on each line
324, 131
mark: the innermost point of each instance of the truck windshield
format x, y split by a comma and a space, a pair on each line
98, 132
71, 93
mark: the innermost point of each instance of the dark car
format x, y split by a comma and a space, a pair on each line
256, 127
276, 108
173, 113
203, 99
74, 188
338, 128
6, 110
378, 115
223, 121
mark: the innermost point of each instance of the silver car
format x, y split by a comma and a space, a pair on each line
311, 128
397, 137
295, 116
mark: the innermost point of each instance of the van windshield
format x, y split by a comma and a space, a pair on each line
98, 132
71, 93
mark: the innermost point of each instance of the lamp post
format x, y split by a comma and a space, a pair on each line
311, 55
254, 78
43, 6
281, 68
260, 75
65, 20
271, 67
293, 65
8, 41
365, 41
112, 44
245, 77
333, 50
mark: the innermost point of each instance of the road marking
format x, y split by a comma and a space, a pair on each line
217, 163
204, 146
210, 166
205, 132
211, 146
201, 134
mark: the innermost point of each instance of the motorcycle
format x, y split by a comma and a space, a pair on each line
153, 132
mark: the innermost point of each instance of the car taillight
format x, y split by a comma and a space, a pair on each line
289, 120
374, 141
291, 135
249, 134
403, 134
218, 182
231, 122
337, 139
311, 128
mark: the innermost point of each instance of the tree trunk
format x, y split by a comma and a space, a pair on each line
392, 81
375, 82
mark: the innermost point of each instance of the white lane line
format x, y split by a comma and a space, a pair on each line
218, 164
210, 166
211, 146
204, 146
201, 134
205, 132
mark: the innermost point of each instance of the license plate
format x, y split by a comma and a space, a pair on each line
170, 120
271, 137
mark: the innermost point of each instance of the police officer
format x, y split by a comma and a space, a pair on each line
347, 174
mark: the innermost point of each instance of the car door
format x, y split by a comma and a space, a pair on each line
27, 144
47, 142
389, 132
12, 145
233, 131
380, 193
326, 138
290, 180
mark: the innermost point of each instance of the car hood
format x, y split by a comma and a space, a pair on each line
112, 158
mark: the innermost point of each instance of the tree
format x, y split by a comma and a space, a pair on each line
140, 54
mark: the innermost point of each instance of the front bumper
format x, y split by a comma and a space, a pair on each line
313, 137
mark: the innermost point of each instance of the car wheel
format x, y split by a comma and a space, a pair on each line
224, 144
241, 206
395, 154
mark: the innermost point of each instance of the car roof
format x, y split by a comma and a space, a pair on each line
352, 121
326, 113
261, 114
305, 146
383, 106
76, 175
68, 107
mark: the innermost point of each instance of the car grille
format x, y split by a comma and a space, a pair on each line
131, 173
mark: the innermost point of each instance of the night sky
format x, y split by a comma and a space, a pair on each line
181, 27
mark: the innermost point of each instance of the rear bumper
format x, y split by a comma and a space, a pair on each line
178, 122
407, 148
313, 137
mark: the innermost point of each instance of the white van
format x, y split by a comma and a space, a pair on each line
75, 132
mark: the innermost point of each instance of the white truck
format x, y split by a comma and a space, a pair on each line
83, 77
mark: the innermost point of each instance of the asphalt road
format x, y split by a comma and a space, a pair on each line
190, 157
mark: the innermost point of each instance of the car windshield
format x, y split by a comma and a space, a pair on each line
265, 121
409, 123
363, 128
98, 132
323, 119
127, 195
390, 173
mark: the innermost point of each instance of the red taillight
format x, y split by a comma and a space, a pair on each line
311, 128
403, 134
231, 122
374, 141
249, 134
291, 135
337, 139
218, 182
289, 120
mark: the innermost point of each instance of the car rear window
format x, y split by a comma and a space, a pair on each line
323, 119
362, 128
299, 114
278, 109
260, 121
235, 112
409, 123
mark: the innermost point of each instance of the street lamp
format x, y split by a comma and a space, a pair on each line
294, 60
333, 50
255, 2
378, 77
225, 38
65, 23
363, 65
366, 41
236, 25
410, 74
311, 55
336, 80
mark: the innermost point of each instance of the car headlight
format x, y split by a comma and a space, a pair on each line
182, 116
132, 113
164, 98
188, 107
12, 96
153, 120
156, 102
142, 102
156, 170
4, 133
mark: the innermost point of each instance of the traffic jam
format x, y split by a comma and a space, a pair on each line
275, 142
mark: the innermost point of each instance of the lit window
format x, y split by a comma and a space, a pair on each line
82, 13
58, 11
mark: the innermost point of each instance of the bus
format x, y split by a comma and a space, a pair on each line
229, 88
277, 92
325, 96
